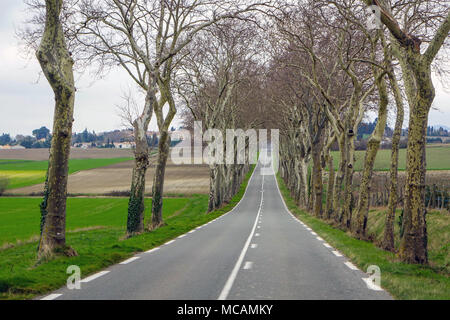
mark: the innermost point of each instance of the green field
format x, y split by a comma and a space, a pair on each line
402, 280
23, 173
96, 230
438, 158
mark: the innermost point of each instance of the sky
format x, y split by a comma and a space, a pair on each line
27, 102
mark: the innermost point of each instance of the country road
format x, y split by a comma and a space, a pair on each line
257, 251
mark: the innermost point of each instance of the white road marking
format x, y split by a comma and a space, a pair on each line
313, 233
319, 238
182, 236
256, 234
254, 246
259, 227
129, 260
248, 265
350, 265
308, 228
94, 276
52, 296
192, 231
327, 245
371, 285
171, 241
337, 253
226, 289
152, 250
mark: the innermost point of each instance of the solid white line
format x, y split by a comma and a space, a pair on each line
327, 245
308, 228
248, 265
313, 233
94, 276
337, 253
129, 260
152, 250
171, 241
371, 285
182, 236
52, 296
319, 238
226, 289
192, 231
350, 265
254, 246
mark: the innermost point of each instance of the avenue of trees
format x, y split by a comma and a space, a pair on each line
312, 69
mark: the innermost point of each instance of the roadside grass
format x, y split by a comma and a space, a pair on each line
96, 232
23, 173
437, 159
403, 281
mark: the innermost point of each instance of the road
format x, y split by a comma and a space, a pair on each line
257, 251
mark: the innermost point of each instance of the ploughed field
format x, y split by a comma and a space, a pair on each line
96, 172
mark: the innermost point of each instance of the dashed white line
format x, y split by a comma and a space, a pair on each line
256, 234
248, 265
350, 265
254, 245
94, 276
129, 260
152, 250
337, 253
226, 289
52, 296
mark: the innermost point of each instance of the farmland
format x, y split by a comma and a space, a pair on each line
22, 173
438, 158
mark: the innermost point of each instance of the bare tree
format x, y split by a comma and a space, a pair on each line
57, 65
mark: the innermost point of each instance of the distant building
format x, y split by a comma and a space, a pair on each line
124, 145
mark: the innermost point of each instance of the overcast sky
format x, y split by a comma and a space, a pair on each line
27, 104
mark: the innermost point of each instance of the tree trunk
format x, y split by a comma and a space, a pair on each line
413, 246
339, 179
348, 180
388, 236
57, 66
330, 190
317, 179
136, 206
158, 181
369, 161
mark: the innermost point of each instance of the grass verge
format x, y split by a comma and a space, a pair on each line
96, 228
403, 281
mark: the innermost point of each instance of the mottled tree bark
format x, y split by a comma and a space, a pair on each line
136, 205
330, 189
57, 66
317, 178
388, 242
158, 181
372, 149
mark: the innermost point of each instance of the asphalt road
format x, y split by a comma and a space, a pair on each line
257, 251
